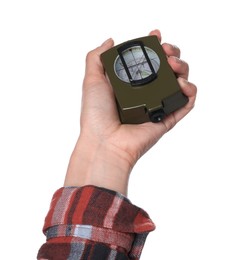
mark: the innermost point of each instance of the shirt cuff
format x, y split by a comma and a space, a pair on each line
99, 215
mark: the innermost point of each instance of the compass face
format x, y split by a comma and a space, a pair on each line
136, 64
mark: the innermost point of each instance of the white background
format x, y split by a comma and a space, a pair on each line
183, 182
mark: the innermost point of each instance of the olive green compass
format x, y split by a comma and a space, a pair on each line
145, 86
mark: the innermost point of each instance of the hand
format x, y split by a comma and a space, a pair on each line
107, 150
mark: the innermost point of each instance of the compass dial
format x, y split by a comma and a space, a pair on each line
136, 63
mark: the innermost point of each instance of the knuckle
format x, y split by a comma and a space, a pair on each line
89, 55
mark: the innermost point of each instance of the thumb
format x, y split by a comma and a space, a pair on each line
94, 66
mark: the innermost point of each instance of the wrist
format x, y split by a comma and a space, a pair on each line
94, 163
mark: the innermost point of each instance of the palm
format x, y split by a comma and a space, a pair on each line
101, 122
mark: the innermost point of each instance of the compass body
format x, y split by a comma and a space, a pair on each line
145, 87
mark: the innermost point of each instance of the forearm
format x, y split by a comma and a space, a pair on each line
95, 163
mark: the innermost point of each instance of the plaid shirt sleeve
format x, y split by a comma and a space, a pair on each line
93, 223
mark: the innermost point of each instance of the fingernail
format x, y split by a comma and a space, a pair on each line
106, 42
175, 47
178, 60
183, 80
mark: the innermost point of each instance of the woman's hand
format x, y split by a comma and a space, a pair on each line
107, 150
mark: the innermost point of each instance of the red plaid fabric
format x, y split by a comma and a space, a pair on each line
93, 223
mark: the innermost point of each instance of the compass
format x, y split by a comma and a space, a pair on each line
137, 64
145, 86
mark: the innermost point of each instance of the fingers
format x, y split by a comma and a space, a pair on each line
179, 66
190, 90
94, 66
173, 53
157, 33
171, 50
